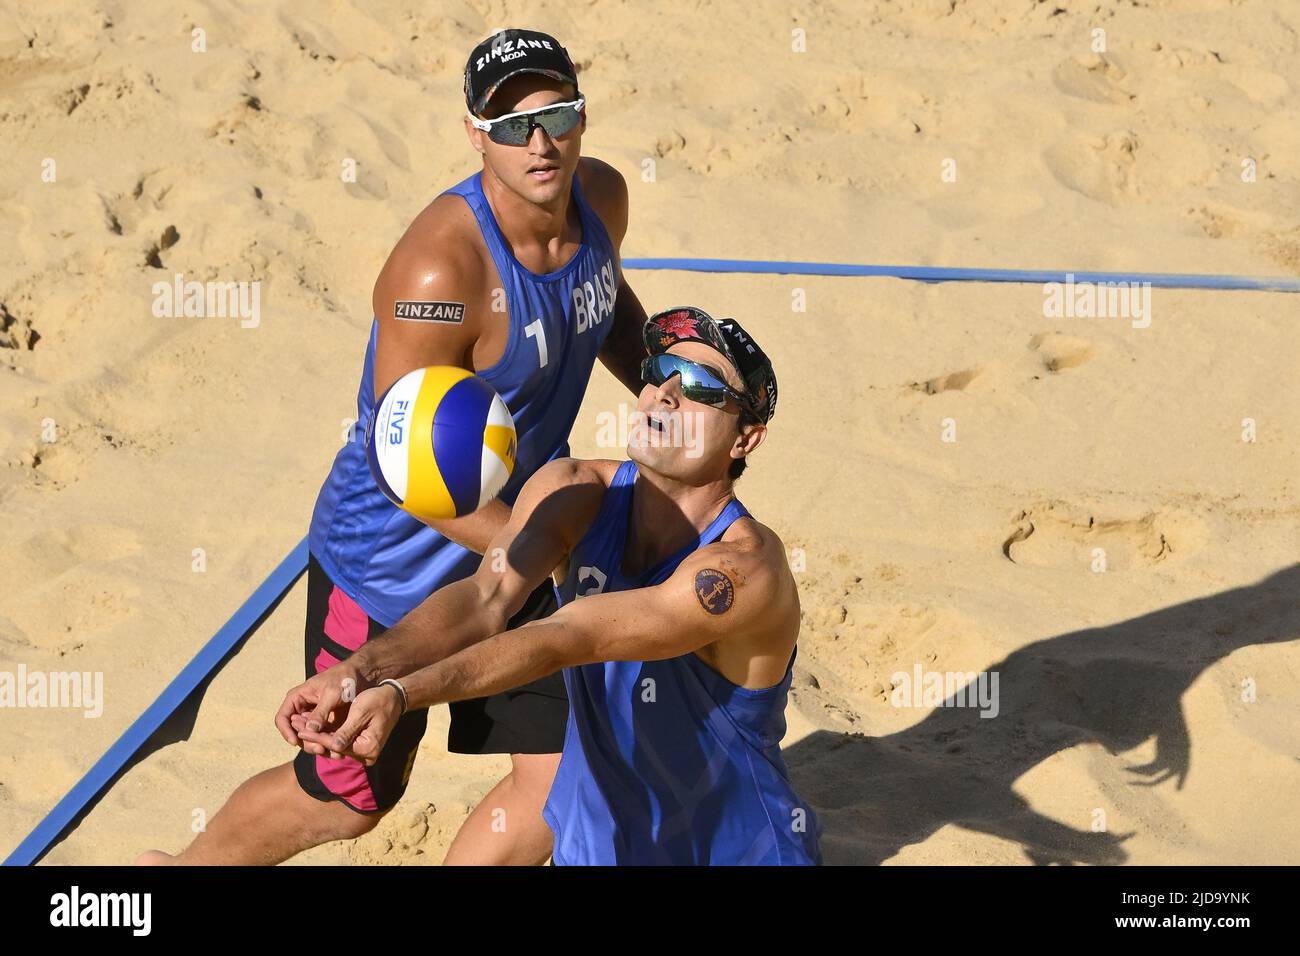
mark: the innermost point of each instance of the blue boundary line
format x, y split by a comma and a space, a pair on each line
294, 564
1163, 280
109, 765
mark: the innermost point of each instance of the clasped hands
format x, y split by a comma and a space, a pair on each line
340, 713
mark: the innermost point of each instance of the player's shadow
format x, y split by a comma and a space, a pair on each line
1117, 686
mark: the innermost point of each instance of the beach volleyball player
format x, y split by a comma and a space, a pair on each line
677, 632
514, 274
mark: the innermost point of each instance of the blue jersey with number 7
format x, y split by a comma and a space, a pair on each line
385, 559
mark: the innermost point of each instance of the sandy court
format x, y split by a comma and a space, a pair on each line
1158, 696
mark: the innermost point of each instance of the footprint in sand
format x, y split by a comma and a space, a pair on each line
1282, 248
856, 651
1055, 535
69, 100
1100, 167
1058, 351
51, 553
311, 37
1091, 77
1055, 350
223, 75
392, 145
1262, 86
235, 120
124, 214
16, 333
1214, 224
952, 382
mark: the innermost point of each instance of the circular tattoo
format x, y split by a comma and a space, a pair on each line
714, 591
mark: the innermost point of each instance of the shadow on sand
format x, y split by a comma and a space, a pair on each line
1116, 686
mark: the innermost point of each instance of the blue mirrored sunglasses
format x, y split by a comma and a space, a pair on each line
699, 383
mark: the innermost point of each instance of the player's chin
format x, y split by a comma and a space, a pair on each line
667, 460
645, 454
545, 191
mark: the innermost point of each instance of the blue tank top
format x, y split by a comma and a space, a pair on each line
668, 762
380, 556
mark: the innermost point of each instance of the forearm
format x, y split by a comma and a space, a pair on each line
453, 617
644, 624
475, 531
499, 663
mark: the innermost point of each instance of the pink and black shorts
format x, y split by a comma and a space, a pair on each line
527, 719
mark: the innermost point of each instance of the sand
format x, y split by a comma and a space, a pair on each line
1147, 711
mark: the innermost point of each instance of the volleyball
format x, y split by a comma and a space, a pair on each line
441, 442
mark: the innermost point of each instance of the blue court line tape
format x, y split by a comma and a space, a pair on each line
295, 563
1162, 280
109, 765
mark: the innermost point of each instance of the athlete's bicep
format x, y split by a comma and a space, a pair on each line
422, 304
606, 192
716, 593
616, 206
623, 349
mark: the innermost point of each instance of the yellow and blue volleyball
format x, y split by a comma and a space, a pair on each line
441, 442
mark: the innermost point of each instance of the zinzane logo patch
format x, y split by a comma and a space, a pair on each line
429, 311
715, 591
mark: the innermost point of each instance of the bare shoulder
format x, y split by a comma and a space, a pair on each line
448, 216
560, 472
444, 240
599, 175
752, 557
744, 579
606, 192
563, 497
568, 481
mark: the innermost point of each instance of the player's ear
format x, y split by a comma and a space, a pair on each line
475, 135
750, 437
582, 126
